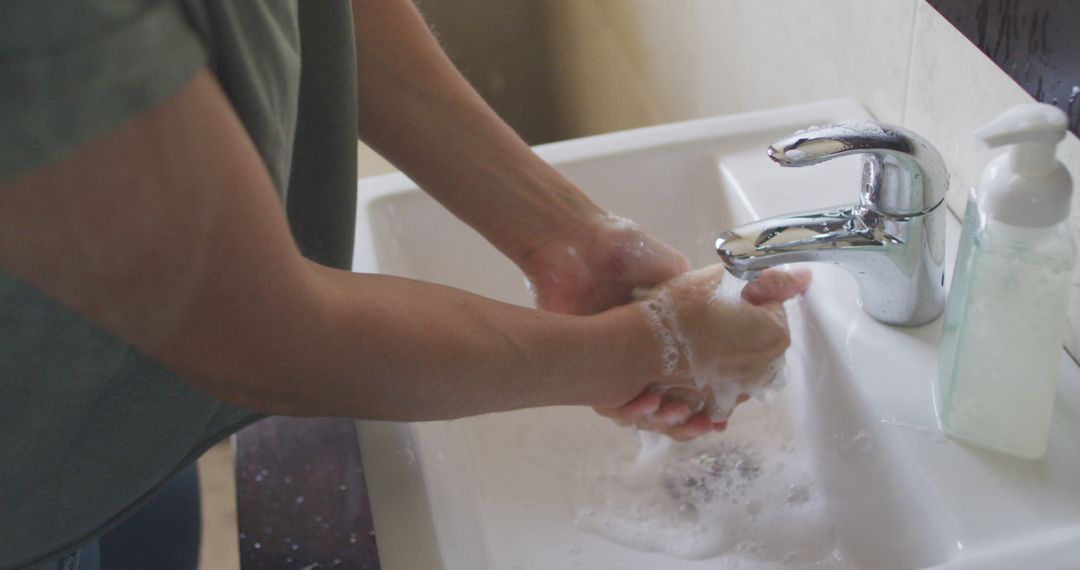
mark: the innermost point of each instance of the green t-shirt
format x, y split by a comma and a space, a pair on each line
89, 427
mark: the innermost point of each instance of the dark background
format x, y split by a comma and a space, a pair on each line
1037, 42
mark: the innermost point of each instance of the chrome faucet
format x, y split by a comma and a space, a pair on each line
892, 241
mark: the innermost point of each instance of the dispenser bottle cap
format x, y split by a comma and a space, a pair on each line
1027, 186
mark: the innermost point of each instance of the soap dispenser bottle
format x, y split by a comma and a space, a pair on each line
1005, 319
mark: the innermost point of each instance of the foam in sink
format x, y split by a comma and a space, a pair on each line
745, 493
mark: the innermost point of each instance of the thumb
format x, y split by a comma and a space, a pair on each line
774, 286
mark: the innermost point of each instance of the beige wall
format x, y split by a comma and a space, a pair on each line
501, 48
619, 64
499, 45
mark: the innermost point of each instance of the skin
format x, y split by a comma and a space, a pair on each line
490, 179
731, 341
167, 232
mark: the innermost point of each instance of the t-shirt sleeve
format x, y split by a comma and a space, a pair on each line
71, 71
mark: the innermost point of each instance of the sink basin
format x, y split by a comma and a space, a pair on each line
855, 419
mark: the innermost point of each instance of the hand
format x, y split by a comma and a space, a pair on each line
717, 350
599, 266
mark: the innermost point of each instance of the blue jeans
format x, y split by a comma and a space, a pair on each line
164, 534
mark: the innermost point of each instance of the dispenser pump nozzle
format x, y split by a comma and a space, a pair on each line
1028, 187
1031, 123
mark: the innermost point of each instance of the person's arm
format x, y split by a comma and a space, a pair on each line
168, 233
419, 112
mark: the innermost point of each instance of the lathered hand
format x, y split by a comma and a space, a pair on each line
599, 266
716, 350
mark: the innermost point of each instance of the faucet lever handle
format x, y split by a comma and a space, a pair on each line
903, 174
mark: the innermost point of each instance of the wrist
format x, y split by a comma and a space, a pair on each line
632, 357
560, 215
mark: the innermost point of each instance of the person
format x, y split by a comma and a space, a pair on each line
177, 186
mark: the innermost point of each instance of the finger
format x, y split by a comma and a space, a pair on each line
662, 264
643, 405
635, 411
672, 414
774, 286
694, 427
710, 275
680, 263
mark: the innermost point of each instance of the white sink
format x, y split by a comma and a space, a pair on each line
502, 491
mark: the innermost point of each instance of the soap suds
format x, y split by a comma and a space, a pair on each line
627, 238
660, 315
618, 222
746, 493
678, 356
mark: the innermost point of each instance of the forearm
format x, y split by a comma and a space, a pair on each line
380, 347
419, 112
390, 348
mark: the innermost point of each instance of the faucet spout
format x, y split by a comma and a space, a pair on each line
805, 237
892, 241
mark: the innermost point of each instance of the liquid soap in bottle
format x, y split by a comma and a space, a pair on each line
1005, 319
